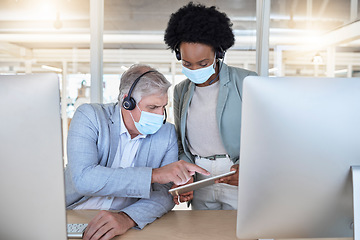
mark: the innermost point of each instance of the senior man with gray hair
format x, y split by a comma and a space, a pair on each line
123, 157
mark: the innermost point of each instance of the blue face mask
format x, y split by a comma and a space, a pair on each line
200, 75
149, 123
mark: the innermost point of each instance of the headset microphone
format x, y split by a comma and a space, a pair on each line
165, 116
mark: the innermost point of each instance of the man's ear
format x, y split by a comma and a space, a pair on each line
128, 102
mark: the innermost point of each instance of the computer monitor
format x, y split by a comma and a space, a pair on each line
32, 201
299, 139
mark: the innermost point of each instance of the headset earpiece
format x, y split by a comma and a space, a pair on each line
177, 54
220, 53
129, 102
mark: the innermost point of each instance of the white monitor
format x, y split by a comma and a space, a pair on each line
32, 201
299, 139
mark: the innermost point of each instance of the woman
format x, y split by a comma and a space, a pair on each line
207, 105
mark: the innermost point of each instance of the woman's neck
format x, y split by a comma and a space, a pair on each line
213, 78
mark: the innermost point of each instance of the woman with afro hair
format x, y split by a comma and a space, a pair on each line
207, 105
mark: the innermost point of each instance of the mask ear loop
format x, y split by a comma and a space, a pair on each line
222, 61
132, 115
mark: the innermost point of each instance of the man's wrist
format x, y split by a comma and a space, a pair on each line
129, 221
154, 176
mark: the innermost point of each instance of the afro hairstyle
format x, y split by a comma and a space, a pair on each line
196, 23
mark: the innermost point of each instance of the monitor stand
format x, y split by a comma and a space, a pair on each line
356, 200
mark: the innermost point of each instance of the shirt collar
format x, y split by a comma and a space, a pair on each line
123, 129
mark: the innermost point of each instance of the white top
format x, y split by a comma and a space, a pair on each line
124, 158
202, 130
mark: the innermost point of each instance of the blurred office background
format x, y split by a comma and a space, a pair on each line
318, 38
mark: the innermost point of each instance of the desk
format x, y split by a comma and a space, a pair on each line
215, 224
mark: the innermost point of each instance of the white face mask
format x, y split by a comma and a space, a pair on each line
200, 75
149, 123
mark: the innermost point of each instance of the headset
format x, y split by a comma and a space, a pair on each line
129, 102
219, 52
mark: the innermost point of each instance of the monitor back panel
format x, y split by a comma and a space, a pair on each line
299, 138
31, 173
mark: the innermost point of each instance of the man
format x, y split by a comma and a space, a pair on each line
123, 157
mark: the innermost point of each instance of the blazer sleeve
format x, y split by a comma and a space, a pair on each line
147, 210
88, 145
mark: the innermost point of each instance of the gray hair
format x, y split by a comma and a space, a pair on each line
149, 84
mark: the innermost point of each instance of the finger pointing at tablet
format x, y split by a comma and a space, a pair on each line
178, 172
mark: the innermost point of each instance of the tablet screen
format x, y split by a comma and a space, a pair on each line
199, 184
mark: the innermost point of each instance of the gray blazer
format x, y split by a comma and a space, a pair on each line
228, 111
92, 143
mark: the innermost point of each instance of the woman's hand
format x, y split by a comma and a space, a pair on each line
232, 179
184, 197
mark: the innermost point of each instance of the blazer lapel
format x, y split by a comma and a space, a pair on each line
142, 155
114, 128
223, 92
185, 106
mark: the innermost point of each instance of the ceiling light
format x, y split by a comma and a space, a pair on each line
55, 69
341, 71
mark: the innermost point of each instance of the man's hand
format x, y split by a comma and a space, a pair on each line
184, 197
177, 172
107, 225
232, 179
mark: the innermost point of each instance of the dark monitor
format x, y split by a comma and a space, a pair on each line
300, 138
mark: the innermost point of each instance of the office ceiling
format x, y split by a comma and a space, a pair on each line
28, 27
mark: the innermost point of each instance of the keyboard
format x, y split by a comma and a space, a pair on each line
76, 230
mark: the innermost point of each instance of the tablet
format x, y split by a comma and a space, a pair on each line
199, 184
